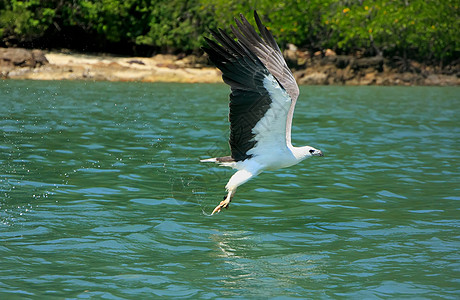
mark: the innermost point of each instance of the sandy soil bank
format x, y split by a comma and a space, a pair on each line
61, 66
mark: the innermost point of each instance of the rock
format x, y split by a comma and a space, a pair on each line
22, 57
39, 57
369, 78
316, 78
368, 62
301, 61
415, 66
15, 56
343, 75
292, 47
433, 79
442, 80
136, 61
330, 52
453, 69
290, 56
340, 61
294, 57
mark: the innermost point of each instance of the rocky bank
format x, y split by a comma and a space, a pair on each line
310, 69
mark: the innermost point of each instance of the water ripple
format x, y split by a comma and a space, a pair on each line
102, 196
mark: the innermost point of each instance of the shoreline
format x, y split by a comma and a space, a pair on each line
18, 63
63, 66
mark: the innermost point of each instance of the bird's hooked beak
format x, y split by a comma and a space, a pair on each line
317, 153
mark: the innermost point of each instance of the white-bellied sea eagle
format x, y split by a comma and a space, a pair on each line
262, 100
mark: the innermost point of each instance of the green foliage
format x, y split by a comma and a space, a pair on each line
24, 20
176, 25
417, 29
293, 21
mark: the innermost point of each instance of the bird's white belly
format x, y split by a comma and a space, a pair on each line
277, 159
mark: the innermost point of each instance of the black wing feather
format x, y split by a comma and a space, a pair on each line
249, 100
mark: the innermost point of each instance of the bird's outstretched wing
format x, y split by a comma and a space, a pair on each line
259, 104
268, 51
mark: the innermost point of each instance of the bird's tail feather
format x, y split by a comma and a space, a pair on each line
209, 160
224, 159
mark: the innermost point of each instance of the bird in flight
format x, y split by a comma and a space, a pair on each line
262, 100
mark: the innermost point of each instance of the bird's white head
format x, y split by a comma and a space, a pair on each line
307, 151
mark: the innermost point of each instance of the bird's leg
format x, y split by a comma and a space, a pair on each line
235, 181
225, 203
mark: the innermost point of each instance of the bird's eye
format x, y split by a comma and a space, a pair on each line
312, 151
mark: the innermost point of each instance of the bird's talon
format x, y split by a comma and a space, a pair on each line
222, 204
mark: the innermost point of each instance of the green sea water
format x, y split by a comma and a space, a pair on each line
102, 196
